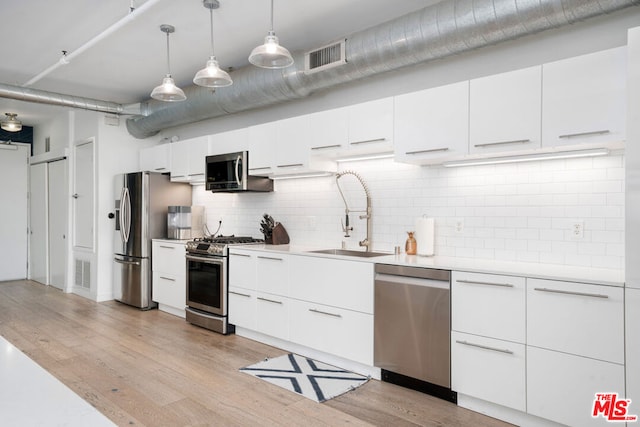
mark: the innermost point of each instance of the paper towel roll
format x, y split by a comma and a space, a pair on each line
425, 236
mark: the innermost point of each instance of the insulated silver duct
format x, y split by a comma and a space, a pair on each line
52, 98
437, 31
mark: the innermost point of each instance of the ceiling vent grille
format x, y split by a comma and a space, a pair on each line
325, 57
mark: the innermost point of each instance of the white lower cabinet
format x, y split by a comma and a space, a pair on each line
337, 331
272, 315
561, 387
489, 369
168, 266
242, 307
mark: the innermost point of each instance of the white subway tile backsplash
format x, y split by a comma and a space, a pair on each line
510, 212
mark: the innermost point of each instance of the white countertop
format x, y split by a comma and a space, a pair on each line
599, 276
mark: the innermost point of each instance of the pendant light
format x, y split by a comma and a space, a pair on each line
212, 75
271, 54
11, 124
168, 91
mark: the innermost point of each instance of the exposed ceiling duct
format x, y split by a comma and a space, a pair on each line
437, 31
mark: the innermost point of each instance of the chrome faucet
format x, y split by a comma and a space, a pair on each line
345, 225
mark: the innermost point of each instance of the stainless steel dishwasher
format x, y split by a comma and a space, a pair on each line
412, 328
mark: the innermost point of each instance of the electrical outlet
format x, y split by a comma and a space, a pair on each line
459, 225
577, 230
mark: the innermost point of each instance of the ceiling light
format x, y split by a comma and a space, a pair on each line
11, 124
212, 75
168, 91
529, 157
271, 54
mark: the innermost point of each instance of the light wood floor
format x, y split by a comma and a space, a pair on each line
154, 369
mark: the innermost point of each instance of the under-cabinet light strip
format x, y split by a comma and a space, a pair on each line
529, 157
366, 157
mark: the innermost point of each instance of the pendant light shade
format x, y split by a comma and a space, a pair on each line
271, 54
212, 75
11, 124
168, 91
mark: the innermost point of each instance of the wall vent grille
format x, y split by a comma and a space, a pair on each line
326, 57
83, 274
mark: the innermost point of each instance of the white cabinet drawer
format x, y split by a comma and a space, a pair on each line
344, 333
272, 315
169, 258
272, 273
242, 307
169, 290
489, 305
582, 319
242, 269
489, 369
562, 387
338, 283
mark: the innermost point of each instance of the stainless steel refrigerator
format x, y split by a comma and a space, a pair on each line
141, 205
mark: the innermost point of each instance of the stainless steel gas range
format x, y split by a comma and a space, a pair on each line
208, 283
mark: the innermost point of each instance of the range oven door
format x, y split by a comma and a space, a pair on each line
207, 284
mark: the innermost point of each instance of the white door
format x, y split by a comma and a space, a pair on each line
83, 195
38, 223
58, 192
14, 186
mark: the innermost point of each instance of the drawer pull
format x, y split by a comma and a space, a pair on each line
196, 174
368, 141
473, 282
490, 144
167, 247
268, 257
595, 132
581, 294
314, 310
292, 165
269, 300
325, 147
168, 278
260, 168
244, 255
485, 347
433, 150
239, 294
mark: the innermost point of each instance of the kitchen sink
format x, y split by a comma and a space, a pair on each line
348, 252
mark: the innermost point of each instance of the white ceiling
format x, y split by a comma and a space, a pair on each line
126, 65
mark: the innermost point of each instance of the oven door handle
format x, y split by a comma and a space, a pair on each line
217, 260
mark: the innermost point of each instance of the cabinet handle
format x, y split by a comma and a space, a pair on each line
515, 141
238, 293
159, 169
314, 310
292, 165
178, 176
168, 278
268, 257
324, 147
167, 247
260, 168
433, 150
196, 174
269, 300
473, 282
595, 132
485, 347
368, 141
244, 255
581, 294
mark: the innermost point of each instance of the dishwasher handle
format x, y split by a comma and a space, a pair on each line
416, 281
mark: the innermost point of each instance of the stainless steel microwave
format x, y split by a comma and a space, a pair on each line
229, 173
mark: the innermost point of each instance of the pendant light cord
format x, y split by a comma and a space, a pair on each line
168, 62
272, 16
211, 27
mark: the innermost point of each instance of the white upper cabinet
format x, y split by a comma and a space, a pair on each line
359, 129
432, 125
282, 148
156, 158
188, 159
584, 99
229, 142
505, 112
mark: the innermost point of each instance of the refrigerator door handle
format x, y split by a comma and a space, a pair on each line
121, 261
125, 215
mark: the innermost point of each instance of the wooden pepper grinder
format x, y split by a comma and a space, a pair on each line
411, 246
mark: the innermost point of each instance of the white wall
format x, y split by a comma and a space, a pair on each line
520, 212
